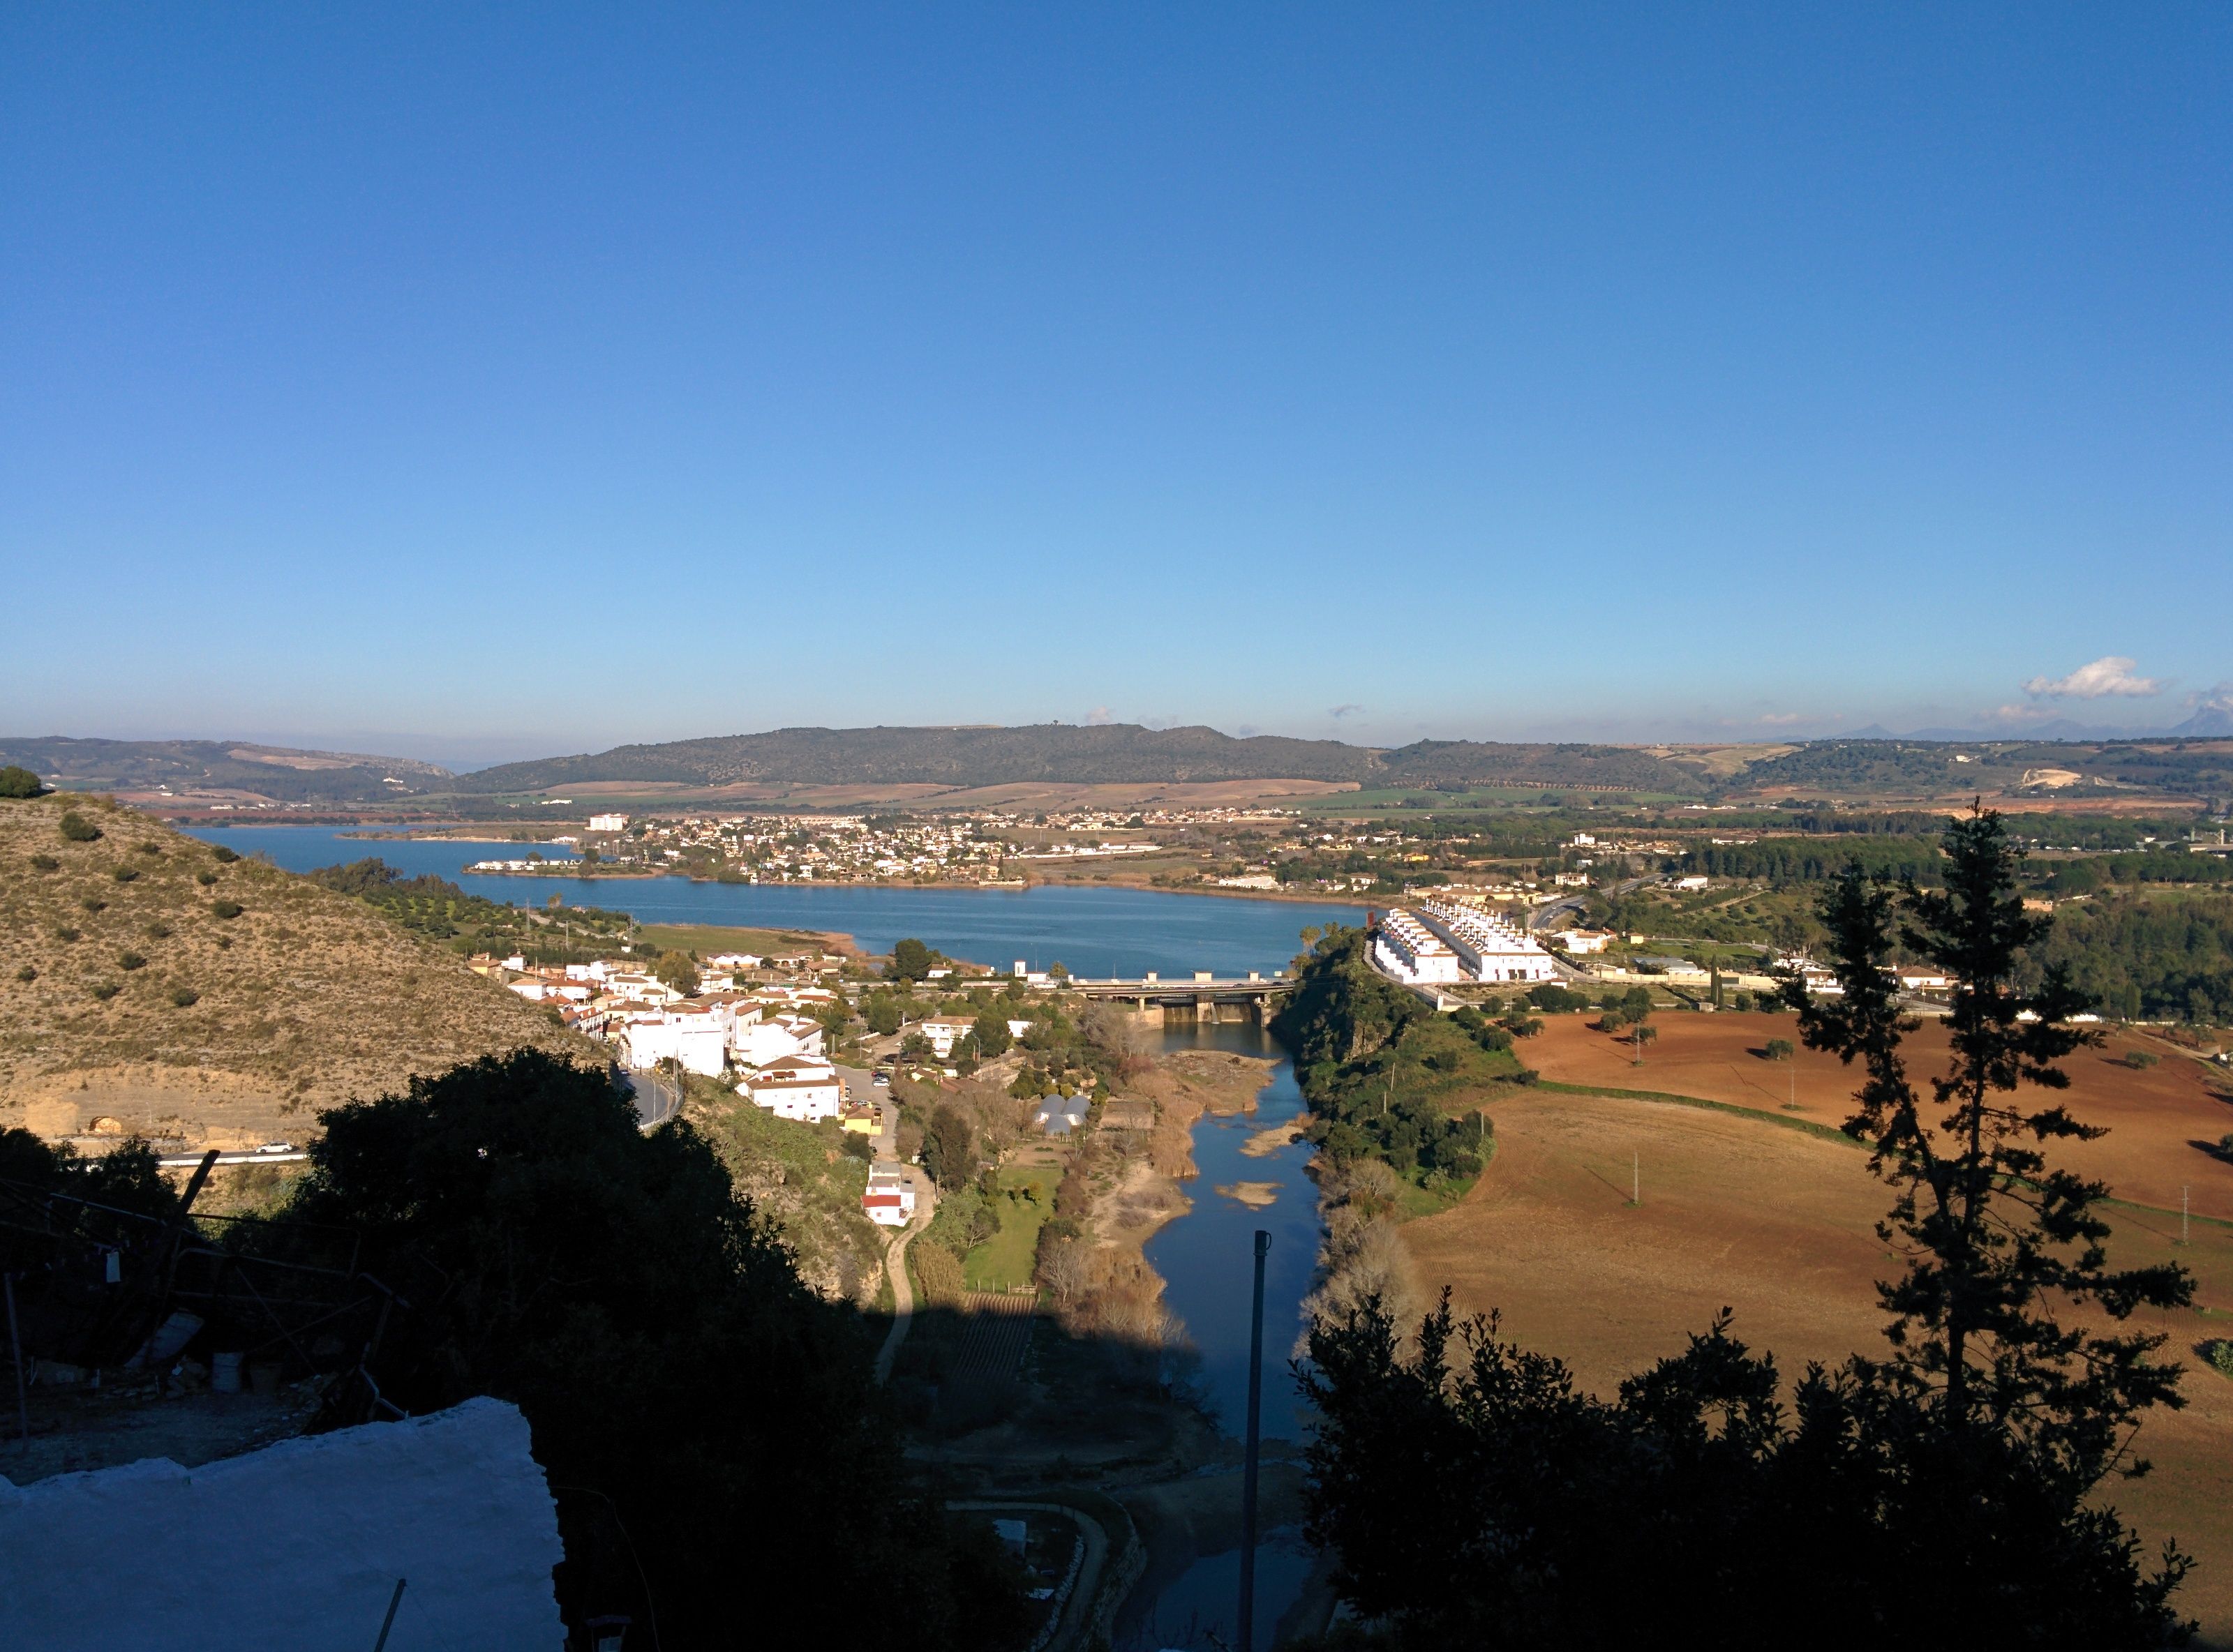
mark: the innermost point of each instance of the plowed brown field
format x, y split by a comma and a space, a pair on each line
1778, 1225
2160, 1121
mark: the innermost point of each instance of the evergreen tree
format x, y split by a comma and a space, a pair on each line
1994, 1235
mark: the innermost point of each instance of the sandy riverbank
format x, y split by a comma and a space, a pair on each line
1146, 1191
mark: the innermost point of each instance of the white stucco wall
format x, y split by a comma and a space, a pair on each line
294, 1548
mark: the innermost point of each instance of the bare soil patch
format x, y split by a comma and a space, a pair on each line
1257, 1195
1778, 1225
2161, 1121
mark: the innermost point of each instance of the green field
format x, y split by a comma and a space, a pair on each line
703, 939
1004, 1260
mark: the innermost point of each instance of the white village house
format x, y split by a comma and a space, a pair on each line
695, 1038
944, 1032
890, 1201
797, 1087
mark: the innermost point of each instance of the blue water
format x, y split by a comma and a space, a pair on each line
1207, 1258
1091, 930
1198, 1610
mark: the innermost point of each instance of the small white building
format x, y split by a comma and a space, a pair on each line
797, 1088
758, 1038
890, 1201
1695, 881
1578, 941
695, 1038
945, 1032
608, 823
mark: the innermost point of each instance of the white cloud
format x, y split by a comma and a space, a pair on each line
2218, 699
2111, 674
1099, 715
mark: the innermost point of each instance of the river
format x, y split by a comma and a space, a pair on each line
1206, 1260
1205, 1257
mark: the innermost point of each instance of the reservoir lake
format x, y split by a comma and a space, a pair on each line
1091, 930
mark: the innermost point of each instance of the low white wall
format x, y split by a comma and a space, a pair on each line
294, 1548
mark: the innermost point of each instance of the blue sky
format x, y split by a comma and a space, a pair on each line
484, 381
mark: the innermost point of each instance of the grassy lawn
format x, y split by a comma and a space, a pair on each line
1005, 1260
704, 939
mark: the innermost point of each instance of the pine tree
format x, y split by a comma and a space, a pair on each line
1995, 1239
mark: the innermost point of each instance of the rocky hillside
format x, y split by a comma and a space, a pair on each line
148, 983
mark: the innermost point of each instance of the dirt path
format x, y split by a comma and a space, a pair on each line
926, 1206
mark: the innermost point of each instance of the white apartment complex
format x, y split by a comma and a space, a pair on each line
1411, 952
1489, 948
1439, 941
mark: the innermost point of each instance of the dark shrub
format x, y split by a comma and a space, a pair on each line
44, 863
186, 998
16, 781
77, 829
227, 908
124, 874
224, 856
130, 961
206, 879
106, 991
27, 973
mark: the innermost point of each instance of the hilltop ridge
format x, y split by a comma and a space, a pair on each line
158, 985
900, 763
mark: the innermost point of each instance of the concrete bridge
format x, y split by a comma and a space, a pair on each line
1203, 995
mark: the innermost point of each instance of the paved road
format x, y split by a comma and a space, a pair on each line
1070, 1627
1542, 916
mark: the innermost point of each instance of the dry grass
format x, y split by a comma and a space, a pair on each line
1777, 1225
227, 1029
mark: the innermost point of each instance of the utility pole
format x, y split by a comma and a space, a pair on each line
1247, 1635
1635, 1178
15, 1355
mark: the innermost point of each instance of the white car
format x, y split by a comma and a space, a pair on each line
882, 1081
276, 1147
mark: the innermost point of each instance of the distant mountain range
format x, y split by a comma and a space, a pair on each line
278, 772
1873, 762
1061, 753
2210, 722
